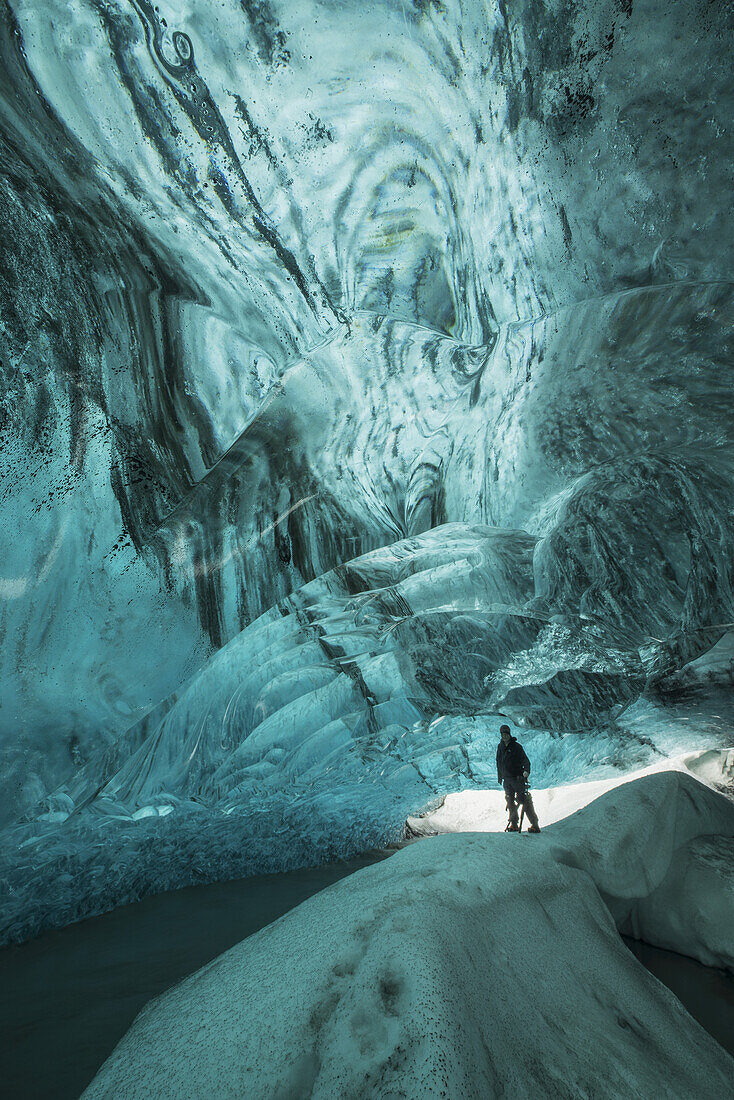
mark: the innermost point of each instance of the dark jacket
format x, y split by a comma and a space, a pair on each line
511, 760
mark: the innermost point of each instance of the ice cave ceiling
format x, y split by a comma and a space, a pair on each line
423, 304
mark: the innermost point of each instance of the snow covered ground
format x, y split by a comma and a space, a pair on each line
485, 811
472, 965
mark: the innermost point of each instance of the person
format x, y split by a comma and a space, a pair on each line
513, 769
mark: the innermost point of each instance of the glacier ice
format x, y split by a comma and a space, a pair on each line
366, 374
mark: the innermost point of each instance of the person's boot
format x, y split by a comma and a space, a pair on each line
531, 814
513, 827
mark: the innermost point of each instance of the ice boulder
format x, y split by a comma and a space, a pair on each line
480, 964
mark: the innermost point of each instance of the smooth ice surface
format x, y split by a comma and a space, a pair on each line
365, 375
474, 965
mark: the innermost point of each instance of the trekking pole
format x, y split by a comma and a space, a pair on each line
526, 787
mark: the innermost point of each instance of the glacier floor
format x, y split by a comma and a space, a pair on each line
73, 993
482, 964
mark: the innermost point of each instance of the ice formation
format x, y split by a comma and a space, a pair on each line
367, 375
463, 966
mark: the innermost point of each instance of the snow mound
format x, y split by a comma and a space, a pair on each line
690, 907
467, 965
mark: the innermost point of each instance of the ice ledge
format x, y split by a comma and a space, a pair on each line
480, 964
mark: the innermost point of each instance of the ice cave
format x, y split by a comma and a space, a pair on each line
367, 386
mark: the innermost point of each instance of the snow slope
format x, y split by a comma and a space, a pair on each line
472, 965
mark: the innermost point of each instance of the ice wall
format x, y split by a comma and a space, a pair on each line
287, 283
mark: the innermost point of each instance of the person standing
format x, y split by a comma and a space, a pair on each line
513, 769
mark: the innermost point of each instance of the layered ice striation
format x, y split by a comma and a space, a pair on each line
366, 375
